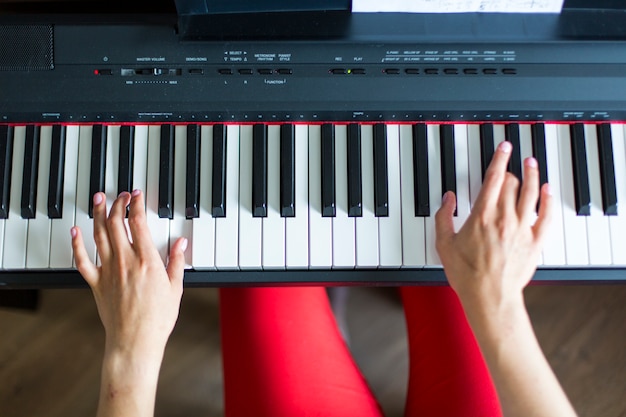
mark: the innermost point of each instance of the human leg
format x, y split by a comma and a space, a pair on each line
283, 355
448, 375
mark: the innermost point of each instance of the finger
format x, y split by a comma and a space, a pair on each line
544, 219
100, 233
494, 178
142, 240
176, 264
84, 265
444, 224
529, 194
115, 224
507, 202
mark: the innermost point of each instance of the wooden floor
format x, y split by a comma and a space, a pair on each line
50, 359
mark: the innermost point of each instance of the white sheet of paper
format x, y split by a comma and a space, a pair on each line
458, 6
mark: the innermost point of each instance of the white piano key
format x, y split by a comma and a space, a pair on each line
435, 187
462, 175
250, 228
475, 170
618, 223
203, 248
367, 225
140, 158
227, 228
16, 228
273, 224
112, 164
413, 239
159, 228
180, 226
38, 241
526, 142
575, 227
597, 223
343, 226
83, 221
390, 227
140, 164
297, 228
598, 233
61, 241
499, 134
320, 228
526, 151
554, 246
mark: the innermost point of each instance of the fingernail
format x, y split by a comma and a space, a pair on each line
73, 232
445, 198
184, 244
122, 194
97, 199
531, 162
548, 189
136, 192
506, 147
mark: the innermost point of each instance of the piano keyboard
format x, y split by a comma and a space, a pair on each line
297, 196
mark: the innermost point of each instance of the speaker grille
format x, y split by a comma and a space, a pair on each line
26, 47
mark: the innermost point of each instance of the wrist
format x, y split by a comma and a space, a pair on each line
497, 315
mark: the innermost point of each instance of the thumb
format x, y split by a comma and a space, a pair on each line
444, 225
176, 264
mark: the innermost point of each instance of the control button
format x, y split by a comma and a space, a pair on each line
509, 71
470, 71
106, 71
357, 71
284, 71
431, 71
450, 71
490, 71
338, 71
265, 71
391, 71
196, 71
225, 71
412, 71
245, 71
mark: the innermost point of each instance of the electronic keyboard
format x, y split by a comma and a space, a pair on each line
308, 161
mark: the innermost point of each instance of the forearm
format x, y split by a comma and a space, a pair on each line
523, 378
128, 384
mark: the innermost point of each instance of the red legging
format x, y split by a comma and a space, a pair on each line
283, 355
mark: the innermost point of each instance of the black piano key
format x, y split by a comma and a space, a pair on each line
98, 162
192, 193
166, 173
355, 190
6, 163
57, 173
486, 146
287, 171
539, 151
259, 170
31, 171
420, 171
218, 203
125, 160
515, 161
448, 159
328, 170
607, 170
381, 179
579, 165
